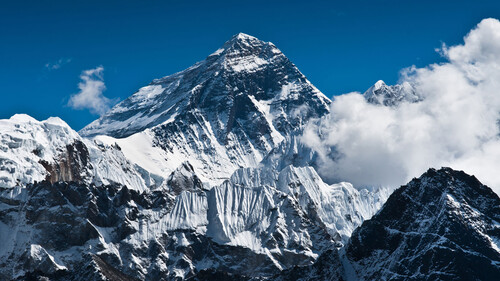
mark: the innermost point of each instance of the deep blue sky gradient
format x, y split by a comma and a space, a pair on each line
341, 46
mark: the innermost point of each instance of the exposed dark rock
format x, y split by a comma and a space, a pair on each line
70, 165
441, 226
184, 178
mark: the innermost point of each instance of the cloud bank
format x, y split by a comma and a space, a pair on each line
90, 96
456, 125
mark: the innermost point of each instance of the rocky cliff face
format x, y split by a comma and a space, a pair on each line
251, 225
444, 225
441, 226
69, 165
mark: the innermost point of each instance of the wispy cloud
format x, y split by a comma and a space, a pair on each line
91, 91
57, 64
457, 123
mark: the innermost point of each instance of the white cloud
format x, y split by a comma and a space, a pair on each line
90, 96
456, 125
57, 64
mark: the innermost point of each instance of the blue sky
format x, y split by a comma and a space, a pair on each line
339, 46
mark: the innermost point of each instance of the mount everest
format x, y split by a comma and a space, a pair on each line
203, 174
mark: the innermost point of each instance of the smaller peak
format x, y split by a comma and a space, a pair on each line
184, 178
372, 90
379, 84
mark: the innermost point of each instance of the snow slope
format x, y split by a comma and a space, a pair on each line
32, 151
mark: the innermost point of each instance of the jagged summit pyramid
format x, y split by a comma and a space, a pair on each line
245, 75
223, 113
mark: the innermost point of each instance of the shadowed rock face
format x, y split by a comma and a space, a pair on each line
72, 218
70, 166
58, 229
441, 226
234, 84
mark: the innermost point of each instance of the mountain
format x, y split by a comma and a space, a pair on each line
221, 114
382, 94
201, 173
32, 151
444, 225
244, 75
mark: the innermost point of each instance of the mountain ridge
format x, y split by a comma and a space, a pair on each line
443, 225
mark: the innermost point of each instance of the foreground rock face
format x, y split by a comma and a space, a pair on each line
444, 225
255, 224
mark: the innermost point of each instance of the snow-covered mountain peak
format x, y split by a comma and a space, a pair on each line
57, 121
382, 94
243, 39
223, 113
379, 84
243, 36
33, 151
27, 120
246, 53
244, 66
22, 118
